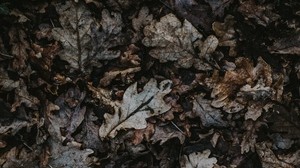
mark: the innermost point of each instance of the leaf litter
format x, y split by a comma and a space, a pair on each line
140, 84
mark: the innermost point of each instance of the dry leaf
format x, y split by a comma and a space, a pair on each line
172, 40
209, 46
142, 19
226, 34
268, 158
7, 84
218, 6
136, 107
164, 133
23, 97
247, 87
19, 48
198, 160
263, 15
75, 34
209, 116
109, 76
286, 45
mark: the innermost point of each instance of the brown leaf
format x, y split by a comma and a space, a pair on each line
23, 97
109, 76
172, 40
263, 15
209, 116
268, 158
218, 6
19, 48
286, 45
226, 34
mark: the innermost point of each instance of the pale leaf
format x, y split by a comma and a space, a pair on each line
136, 108
198, 160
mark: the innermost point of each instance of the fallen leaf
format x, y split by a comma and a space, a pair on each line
108, 36
75, 34
109, 76
23, 97
69, 156
198, 160
218, 6
209, 116
209, 46
249, 137
263, 15
171, 40
247, 87
136, 107
226, 34
164, 133
286, 45
19, 47
7, 84
142, 19
268, 158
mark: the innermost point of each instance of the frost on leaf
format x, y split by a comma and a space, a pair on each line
171, 40
136, 107
75, 33
198, 160
247, 87
209, 116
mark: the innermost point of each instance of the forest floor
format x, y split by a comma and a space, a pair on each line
150, 83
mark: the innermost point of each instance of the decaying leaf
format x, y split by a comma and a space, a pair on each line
165, 133
23, 97
109, 76
218, 6
7, 84
247, 87
16, 157
69, 116
69, 156
142, 19
107, 37
226, 33
268, 158
19, 48
172, 40
286, 45
263, 15
75, 33
249, 137
135, 107
209, 116
198, 160
209, 46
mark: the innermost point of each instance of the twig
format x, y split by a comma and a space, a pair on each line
6, 55
177, 127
